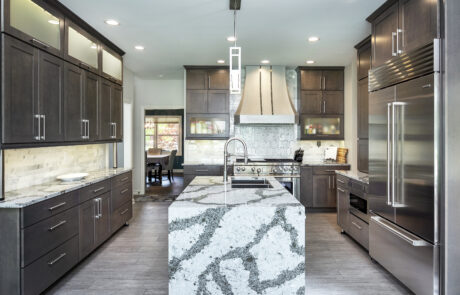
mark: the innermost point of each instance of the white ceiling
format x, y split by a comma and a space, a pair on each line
193, 32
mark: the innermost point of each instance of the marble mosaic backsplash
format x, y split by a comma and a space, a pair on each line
27, 167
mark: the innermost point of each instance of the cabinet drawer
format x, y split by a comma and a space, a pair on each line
46, 270
121, 215
121, 195
94, 190
122, 179
358, 186
329, 169
343, 181
359, 230
34, 213
204, 170
46, 235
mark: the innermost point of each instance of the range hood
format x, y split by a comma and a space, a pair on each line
265, 97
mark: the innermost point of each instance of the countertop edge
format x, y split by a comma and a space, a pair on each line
354, 175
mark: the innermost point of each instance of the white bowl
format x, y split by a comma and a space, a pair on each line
72, 177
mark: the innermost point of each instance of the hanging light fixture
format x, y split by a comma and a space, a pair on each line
235, 54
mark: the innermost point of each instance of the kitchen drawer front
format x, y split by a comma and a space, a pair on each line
329, 169
121, 215
358, 186
358, 230
121, 195
49, 268
48, 208
46, 235
94, 190
204, 170
122, 179
343, 181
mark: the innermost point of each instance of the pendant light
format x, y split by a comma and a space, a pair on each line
235, 55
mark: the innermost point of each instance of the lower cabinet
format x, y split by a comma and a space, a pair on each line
191, 171
343, 203
324, 191
43, 241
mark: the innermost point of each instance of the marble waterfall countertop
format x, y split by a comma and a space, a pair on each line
225, 240
359, 176
37, 193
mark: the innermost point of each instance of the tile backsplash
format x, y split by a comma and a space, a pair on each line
27, 167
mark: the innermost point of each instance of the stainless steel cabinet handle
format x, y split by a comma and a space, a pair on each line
356, 225
98, 208
329, 170
209, 82
393, 51
38, 42
87, 129
324, 83
324, 106
341, 181
123, 191
409, 238
54, 261
83, 129
39, 127
98, 189
389, 146
115, 133
124, 179
57, 206
393, 154
124, 211
43, 117
329, 182
426, 86
398, 40
57, 225
340, 190
201, 170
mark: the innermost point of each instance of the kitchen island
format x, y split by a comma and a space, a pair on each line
225, 240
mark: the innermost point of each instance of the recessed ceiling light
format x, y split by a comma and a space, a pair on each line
231, 39
112, 22
221, 61
161, 75
139, 47
53, 22
313, 39
310, 62
265, 61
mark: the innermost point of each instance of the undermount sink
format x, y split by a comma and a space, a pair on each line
250, 183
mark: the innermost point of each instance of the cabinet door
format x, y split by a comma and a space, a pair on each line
105, 126
197, 79
196, 101
363, 155
323, 192
116, 110
333, 102
87, 227
343, 201
418, 23
73, 102
311, 102
50, 93
34, 23
102, 226
218, 79
306, 182
363, 109
112, 66
333, 80
364, 61
311, 79
81, 48
218, 101
383, 42
19, 105
91, 99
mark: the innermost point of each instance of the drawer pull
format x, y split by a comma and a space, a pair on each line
329, 170
202, 170
124, 191
54, 261
124, 212
341, 190
124, 179
99, 189
356, 225
341, 181
57, 206
38, 42
57, 225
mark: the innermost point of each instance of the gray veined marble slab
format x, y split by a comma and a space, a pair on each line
38, 193
236, 241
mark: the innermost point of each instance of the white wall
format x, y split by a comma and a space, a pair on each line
151, 94
128, 100
351, 114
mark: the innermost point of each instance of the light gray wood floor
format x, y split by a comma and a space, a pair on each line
135, 260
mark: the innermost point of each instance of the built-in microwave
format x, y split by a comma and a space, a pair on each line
359, 207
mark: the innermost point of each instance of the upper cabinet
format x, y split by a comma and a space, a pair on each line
400, 26
112, 66
34, 23
81, 48
317, 79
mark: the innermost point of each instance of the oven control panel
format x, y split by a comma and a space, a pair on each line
277, 169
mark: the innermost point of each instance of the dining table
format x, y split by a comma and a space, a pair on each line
160, 160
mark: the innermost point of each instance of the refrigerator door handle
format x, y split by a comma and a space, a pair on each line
407, 237
389, 148
393, 154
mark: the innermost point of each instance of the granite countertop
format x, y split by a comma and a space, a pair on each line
211, 191
323, 163
359, 176
37, 193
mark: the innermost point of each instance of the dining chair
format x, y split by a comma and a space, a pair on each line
154, 151
170, 166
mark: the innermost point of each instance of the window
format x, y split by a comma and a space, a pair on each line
163, 132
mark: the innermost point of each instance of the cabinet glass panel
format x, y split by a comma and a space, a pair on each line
207, 126
321, 126
111, 65
82, 48
30, 18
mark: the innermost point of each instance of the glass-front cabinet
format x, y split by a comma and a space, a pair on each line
207, 126
112, 66
37, 24
82, 49
321, 127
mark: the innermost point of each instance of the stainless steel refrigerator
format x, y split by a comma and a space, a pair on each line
403, 165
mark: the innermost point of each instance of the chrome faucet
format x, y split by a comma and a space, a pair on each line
227, 154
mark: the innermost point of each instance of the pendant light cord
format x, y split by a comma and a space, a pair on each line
234, 22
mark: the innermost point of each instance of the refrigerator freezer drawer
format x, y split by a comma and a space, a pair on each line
407, 257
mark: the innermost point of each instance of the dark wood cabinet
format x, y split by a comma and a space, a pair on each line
197, 79
306, 184
333, 103
87, 227
75, 128
218, 102
91, 105
321, 78
102, 224
333, 80
343, 203
363, 108
116, 111
191, 171
311, 79
324, 195
197, 101
110, 111
384, 29
218, 79
311, 102
363, 155
364, 58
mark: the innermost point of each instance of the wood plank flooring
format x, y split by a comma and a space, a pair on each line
135, 260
